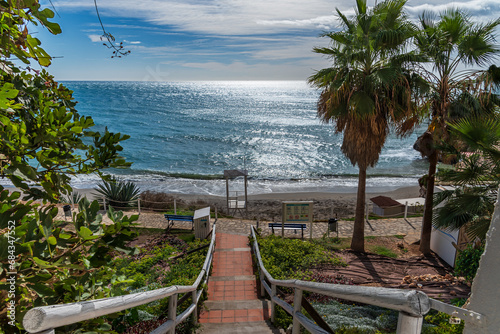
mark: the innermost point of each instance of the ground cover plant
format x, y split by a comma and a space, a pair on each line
293, 258
342, 316
152, 268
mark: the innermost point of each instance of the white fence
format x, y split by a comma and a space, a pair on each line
44, 319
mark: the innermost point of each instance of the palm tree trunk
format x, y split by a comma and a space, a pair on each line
358, 235
425, 236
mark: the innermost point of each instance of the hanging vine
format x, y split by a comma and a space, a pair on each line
109, 40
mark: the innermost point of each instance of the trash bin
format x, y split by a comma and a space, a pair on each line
332, 225
67, 210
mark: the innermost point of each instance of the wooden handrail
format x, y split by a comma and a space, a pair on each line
44, 318
411, 304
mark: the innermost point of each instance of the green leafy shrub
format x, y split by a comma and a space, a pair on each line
152, 269
384, 251
352, 318
468, 262
293, 258
439, 322
281, 318
118, 193
59, 262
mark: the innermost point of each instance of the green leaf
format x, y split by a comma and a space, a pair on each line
52, 240
87, 234
42, 263
43, 290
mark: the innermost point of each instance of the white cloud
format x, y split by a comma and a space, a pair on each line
261, 38
480, 10
219, 17
95, 38
243, 17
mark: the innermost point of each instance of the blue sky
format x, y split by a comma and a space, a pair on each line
187, 40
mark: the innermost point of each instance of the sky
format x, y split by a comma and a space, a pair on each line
190, 40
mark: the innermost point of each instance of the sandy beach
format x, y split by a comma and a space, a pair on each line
268, 206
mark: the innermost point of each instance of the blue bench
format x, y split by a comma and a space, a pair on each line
181, 218
289, 226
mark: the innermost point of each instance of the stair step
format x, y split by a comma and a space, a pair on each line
237, 304
261, 327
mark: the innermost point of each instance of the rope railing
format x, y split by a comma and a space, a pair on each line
403, 214
46, 318
140, 208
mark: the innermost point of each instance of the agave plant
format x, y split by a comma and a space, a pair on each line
73, 198
118, 193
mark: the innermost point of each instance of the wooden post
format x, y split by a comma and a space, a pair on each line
283, 228
215, 213
195, 311
273, 303
104, 202
172, 311
175, 206
406, 209
311, 229
409, 324
139, 205
262, 289
227, 195
366, 211
246, 197
297, 306
328, 225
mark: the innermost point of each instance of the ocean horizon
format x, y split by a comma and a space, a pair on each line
185, 134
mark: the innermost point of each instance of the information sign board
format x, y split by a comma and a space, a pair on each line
298, 212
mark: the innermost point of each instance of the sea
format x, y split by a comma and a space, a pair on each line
183, 135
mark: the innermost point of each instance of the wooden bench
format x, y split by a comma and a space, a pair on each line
289, 226
181, 218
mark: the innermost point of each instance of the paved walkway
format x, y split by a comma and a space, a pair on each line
233, 305
380, 227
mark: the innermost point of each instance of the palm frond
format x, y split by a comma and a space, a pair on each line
478, 228
478, 133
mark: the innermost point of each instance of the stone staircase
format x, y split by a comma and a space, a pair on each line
233, 305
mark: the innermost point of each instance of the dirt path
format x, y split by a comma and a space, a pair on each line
428, 274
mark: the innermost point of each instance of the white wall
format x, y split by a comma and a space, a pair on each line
441, 244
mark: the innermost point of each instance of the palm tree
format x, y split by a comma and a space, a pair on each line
476, 176
449, 44
366, 89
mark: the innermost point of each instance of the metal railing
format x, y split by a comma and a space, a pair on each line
44, 319
411, 304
